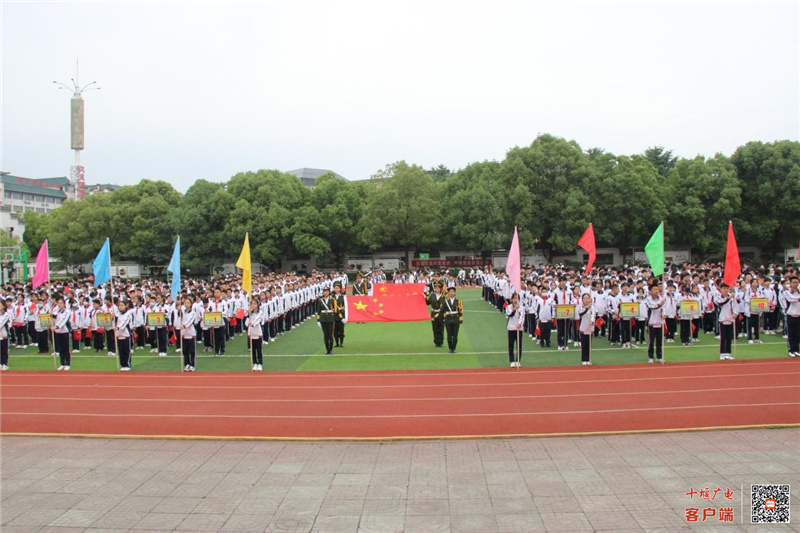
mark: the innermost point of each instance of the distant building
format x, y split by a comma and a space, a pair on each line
26, 194
101, 188
309, 175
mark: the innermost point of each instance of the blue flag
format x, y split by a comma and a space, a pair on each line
175, 268
102, 265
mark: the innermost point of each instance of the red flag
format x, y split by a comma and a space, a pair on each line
514, 264
587, 243
390, 302
733, 267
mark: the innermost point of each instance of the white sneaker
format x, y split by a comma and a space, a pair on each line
584, 363
75, 351
650, 361
730, 357
3, 367
66, 367
722, 357
177, 350
153, 350
260, 368
32, 344
513, 365
191, 369
792, 354
576, 344
111, 354
588, 363
125, 369
186, 368
759, 341
162, 354
786, 336
717, 337
560, 348
566, 348
60, 368
750, 341
255, 368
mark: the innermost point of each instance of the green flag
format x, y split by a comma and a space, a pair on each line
655, 251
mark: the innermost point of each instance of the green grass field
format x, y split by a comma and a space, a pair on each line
403, 345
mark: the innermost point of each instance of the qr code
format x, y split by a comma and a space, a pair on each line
770, 504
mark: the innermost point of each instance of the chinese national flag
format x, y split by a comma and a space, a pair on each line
390, 302
733, 266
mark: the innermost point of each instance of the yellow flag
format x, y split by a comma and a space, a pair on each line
244, 263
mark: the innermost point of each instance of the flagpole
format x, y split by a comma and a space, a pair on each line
114, 308
663, 298
53, 344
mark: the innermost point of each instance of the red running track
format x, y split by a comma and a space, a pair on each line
349, 405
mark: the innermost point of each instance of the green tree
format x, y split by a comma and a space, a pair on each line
704, 194
200, 220
401, 211
769, 175
662, 159
440, 173
36, 229
539, 183
340, 204
629, 199
472, 215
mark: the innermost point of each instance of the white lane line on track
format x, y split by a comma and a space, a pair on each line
446, 415
415, 385
574, 350
455, 398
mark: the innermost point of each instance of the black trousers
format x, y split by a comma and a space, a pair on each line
99, 340
698, 325
110, 339
672, 326
62, 347
614, 330
255, 350
793, 332
625, 328
141, 333
686, 331
708, 321
124, 351
514, 348
21, 334
586, 348
725, 338
545, 329
220, 336
452, 335
4, 351
656, 340
189, 351
327, 335
753, 327
338, 332
32, 331
562, 332
437, 324
43, 338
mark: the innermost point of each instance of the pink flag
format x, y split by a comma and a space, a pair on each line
41, 271
514, 264
733, 266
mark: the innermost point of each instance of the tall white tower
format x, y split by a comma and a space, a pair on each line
77, 134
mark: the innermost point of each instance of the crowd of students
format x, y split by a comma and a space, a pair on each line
75, 315
597, 297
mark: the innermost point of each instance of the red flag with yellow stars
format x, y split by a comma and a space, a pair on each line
390, 302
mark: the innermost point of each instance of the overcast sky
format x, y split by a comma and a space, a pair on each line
205, 90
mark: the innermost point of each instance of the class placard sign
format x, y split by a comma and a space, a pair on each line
689, 308
213, 319
565, 312
46, 320
156, 320
759, 305
629, 309
104, 320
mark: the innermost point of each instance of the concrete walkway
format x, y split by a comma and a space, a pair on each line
615, 483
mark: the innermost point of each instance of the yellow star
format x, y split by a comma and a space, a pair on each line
374, 299
380, 305
384, 289
414, 293
361, 306
381, 311
376, 314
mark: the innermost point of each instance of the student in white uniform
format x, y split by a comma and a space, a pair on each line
515, 320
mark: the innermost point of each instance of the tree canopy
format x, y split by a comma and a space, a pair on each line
551, 189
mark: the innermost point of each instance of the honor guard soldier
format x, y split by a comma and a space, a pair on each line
453, 317
341, 314
361, 287
327, 310
436, 301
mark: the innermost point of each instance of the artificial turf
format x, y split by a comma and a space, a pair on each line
403, 346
